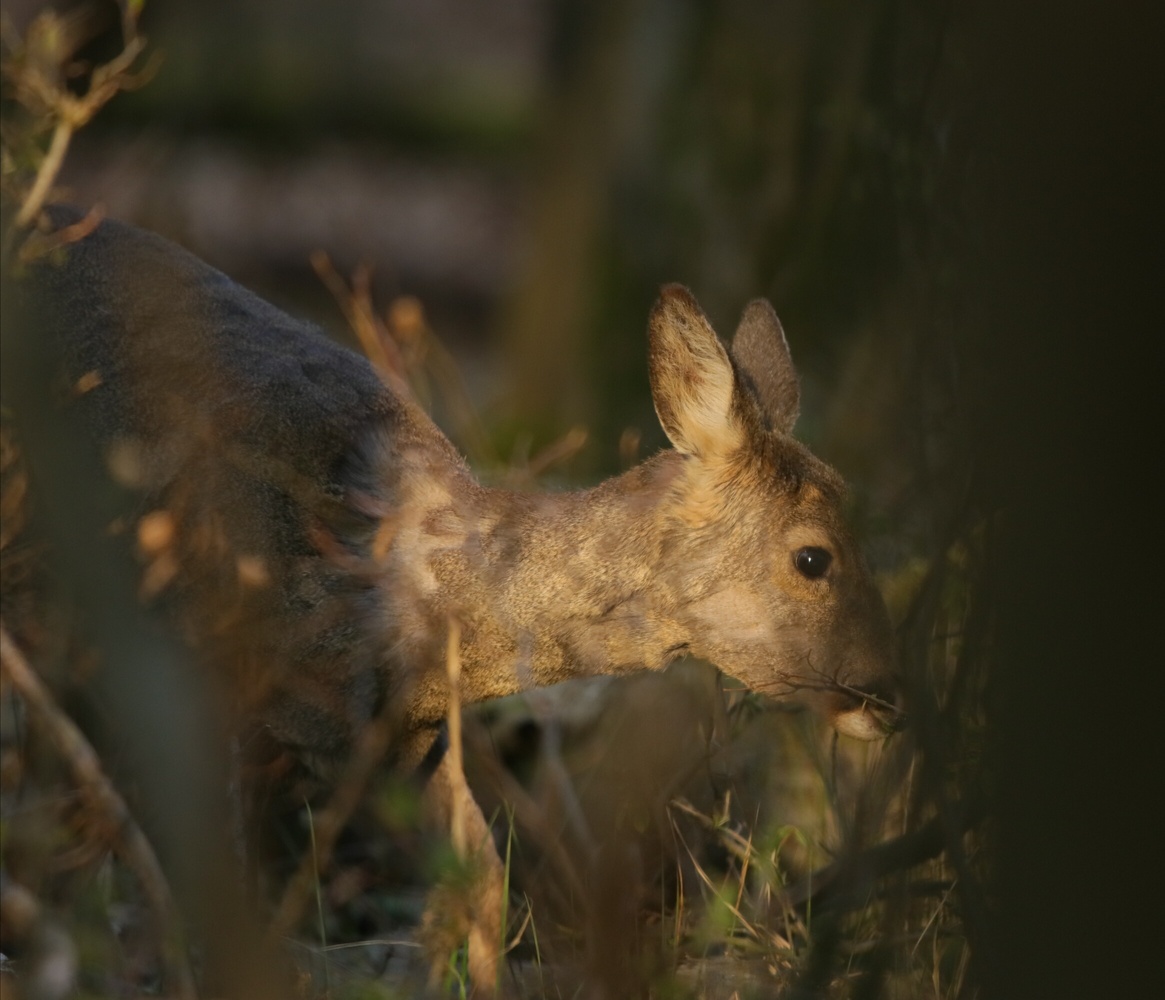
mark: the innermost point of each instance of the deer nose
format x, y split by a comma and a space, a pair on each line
885, 700
868, 711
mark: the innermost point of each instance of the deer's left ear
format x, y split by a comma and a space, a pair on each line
692, 381
762, 355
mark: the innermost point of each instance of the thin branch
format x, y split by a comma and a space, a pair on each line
71, 113
455, 755
356, 305
46, 173
125, 837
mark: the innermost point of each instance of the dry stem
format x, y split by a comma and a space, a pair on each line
125, 837
453, 671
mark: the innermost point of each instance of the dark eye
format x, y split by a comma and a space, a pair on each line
812, 562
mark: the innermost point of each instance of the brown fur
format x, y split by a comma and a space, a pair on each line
325, 529
321, 530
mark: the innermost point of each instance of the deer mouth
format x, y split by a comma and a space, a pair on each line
864, 715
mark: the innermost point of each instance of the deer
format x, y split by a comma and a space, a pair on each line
315, 534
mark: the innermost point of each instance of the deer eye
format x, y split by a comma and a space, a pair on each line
812, 562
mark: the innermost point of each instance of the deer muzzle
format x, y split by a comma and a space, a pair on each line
866, 713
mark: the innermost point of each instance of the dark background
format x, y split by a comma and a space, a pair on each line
535, 170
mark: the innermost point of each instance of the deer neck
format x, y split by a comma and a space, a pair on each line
550, 586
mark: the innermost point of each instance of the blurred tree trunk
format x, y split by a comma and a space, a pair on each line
1065, 187
544, 326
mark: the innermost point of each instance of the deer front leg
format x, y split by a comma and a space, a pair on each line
468, 906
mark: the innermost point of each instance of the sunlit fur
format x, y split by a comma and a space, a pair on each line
362, 529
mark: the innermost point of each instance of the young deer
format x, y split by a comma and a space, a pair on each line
316, 531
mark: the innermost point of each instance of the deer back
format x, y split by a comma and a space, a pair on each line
235, 427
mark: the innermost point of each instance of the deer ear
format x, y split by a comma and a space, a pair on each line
692, 381
762, 358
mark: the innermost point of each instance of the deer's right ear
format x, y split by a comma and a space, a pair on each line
692, 381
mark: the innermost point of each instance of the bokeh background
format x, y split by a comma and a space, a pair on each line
533, 170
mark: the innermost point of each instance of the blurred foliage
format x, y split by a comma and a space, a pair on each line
48, 93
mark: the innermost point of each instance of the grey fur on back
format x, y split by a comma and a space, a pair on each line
280, 384
244, 422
